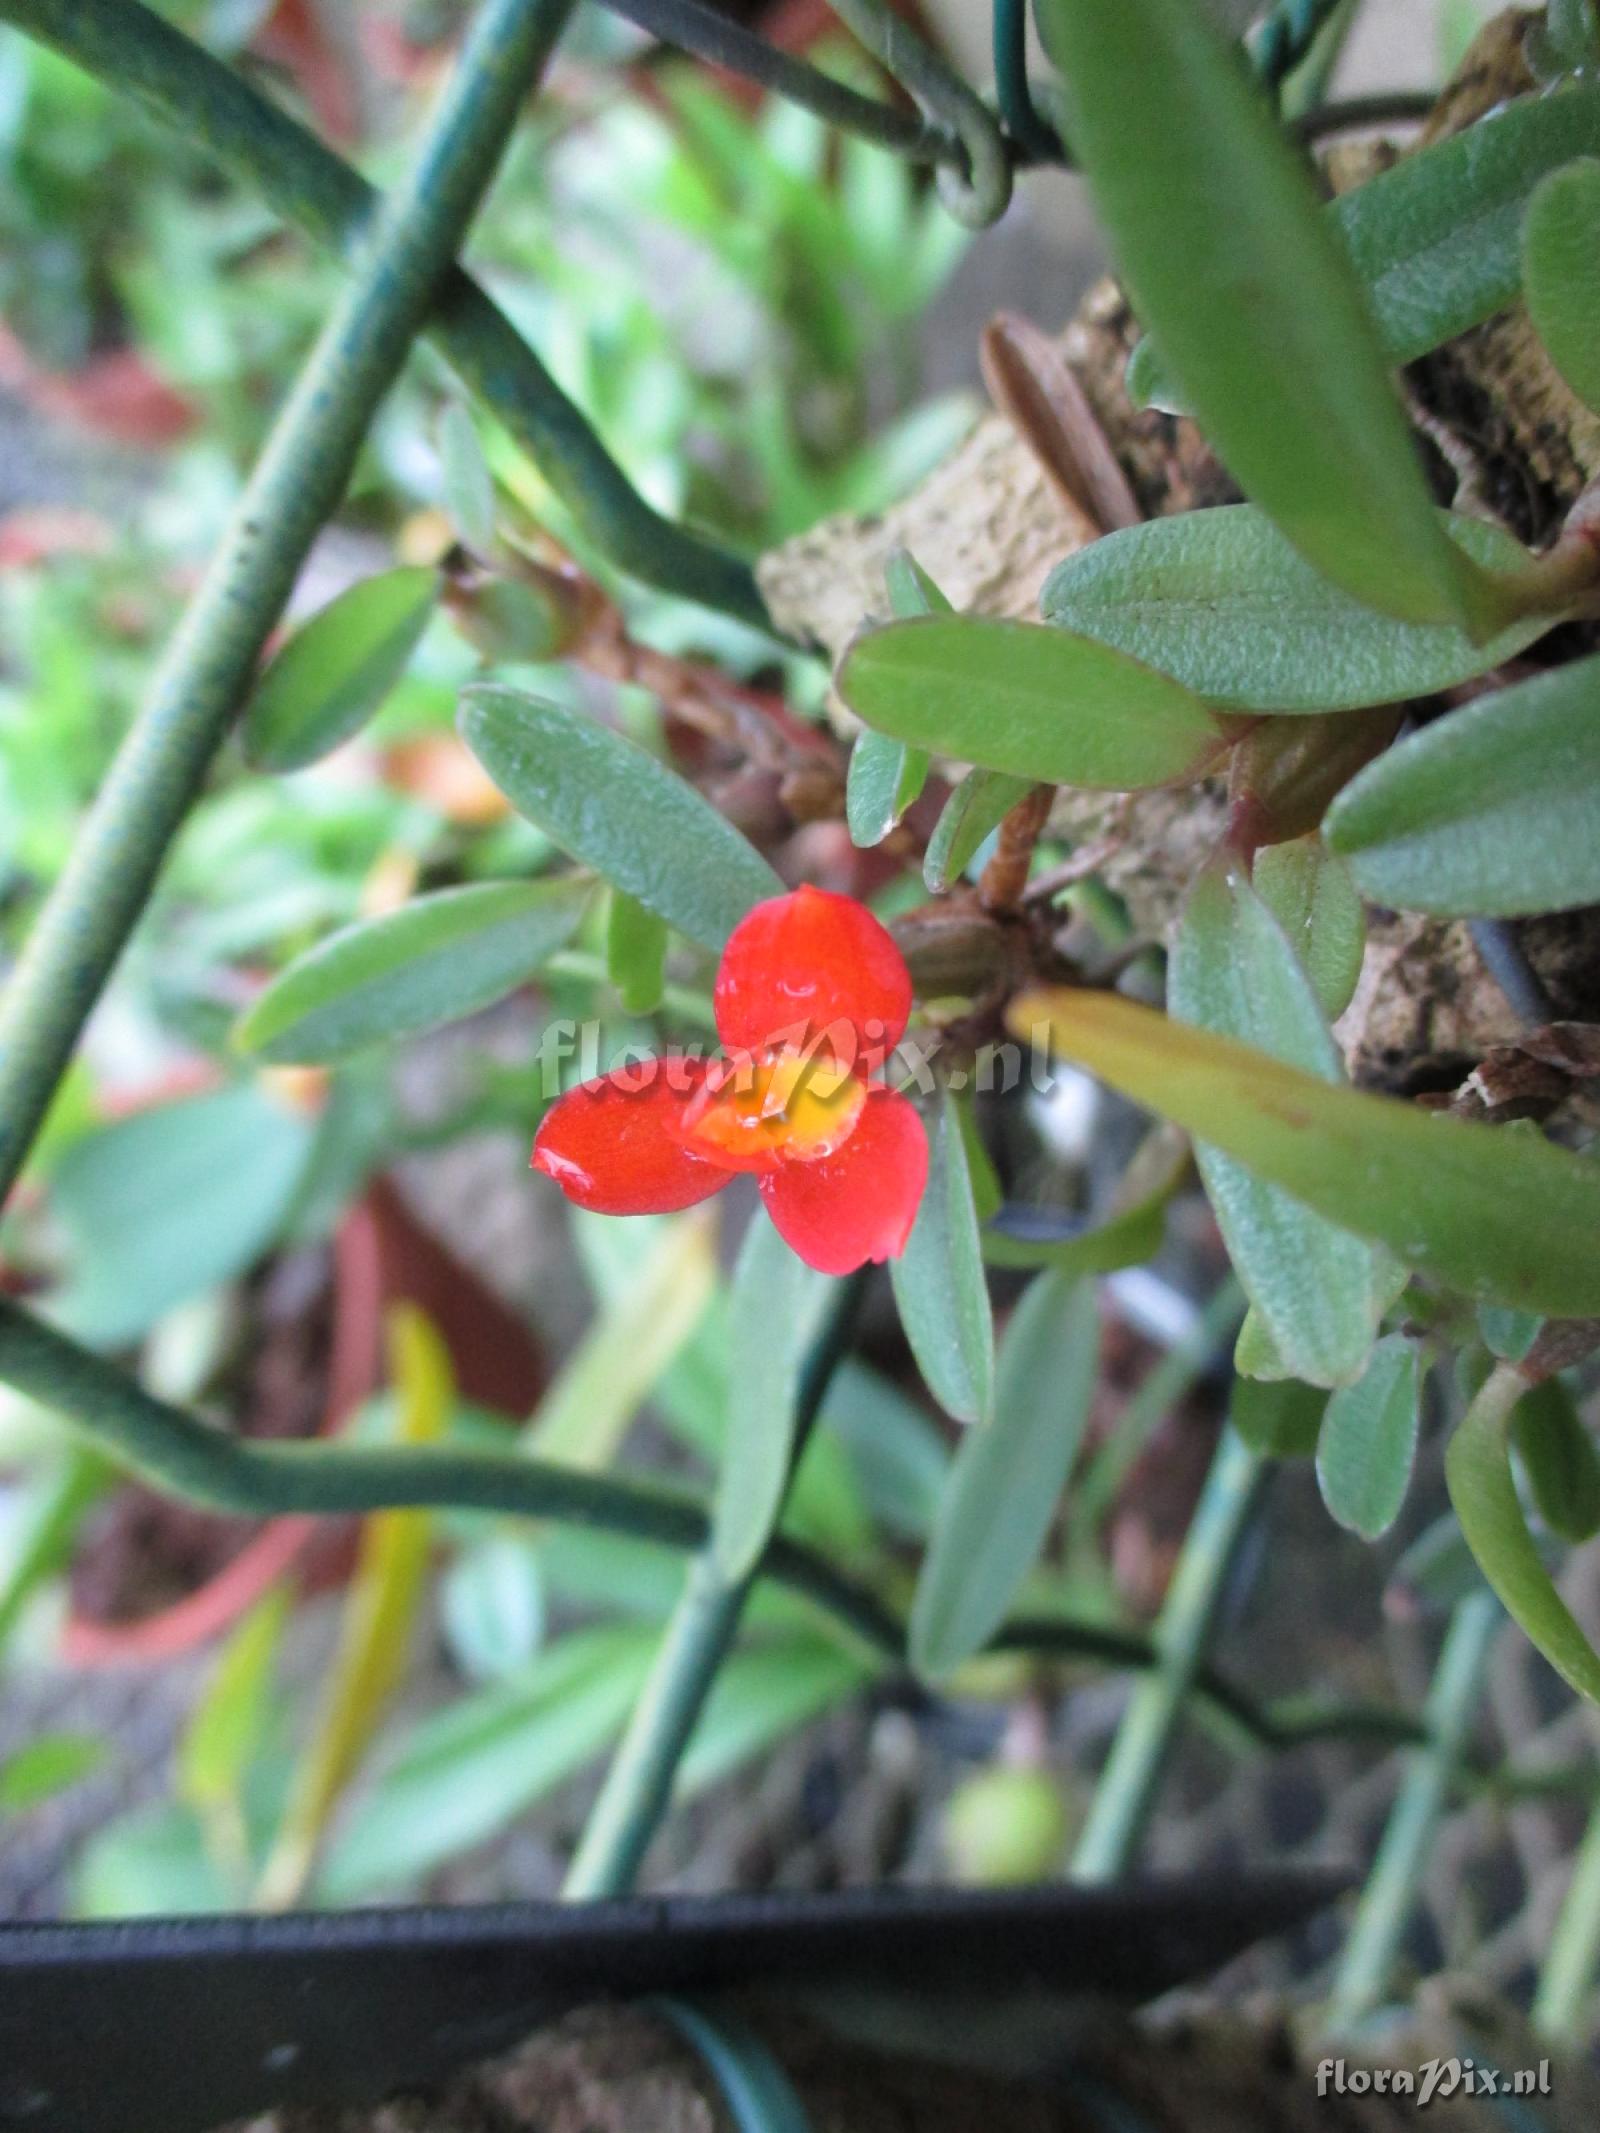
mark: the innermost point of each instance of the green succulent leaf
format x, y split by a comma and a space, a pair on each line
1036, 703
1222, 602
1434, 241
1561, 271
1312, 1283
335, 671
884, 778
1368, 1441
1008, 1475
1279, 1420
1559, 1458
1314, 898
435, 960
973, 812
636, 953
885, 775
911, 591
1504, 1217
1478, 1472
939, 1281
777, 1306
609, 803
1216, 226
1508, 1335
171, 1202
1491, 812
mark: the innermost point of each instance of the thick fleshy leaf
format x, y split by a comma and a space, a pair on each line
1315, 900
1233, 971
1559, 1458
1561, 270
857, 1206
1278, 1420
939, 1282
1478, 1471
608, 802
636, 953
1216, 225
336, 669
911, 591
1508, 1334
1491, 812
173, 1201
885, 775
776, 1308
1368, 1441
1222, 602
1001, 1497
1035, 702
800, 965
613, 1144
973, 812
1255, 1352
437, 959
1504, 1216
1434, 240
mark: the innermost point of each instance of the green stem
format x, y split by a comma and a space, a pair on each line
1132, 1777
638, 1785
407, 244
131, 49
190, 1459
1567, 1980
1387, 1900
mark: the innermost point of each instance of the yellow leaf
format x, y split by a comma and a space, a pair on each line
379, 1613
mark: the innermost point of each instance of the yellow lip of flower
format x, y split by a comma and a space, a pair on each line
786, 1105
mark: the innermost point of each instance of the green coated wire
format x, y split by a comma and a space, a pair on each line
403, 249
981, 193
692, 27
1287, 35
133, 51
188, 1458
1033, 136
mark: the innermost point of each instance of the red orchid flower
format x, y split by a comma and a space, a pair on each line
812, 996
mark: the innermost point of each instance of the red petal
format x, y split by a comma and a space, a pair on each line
842, 1210
813, 961
611, 1146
